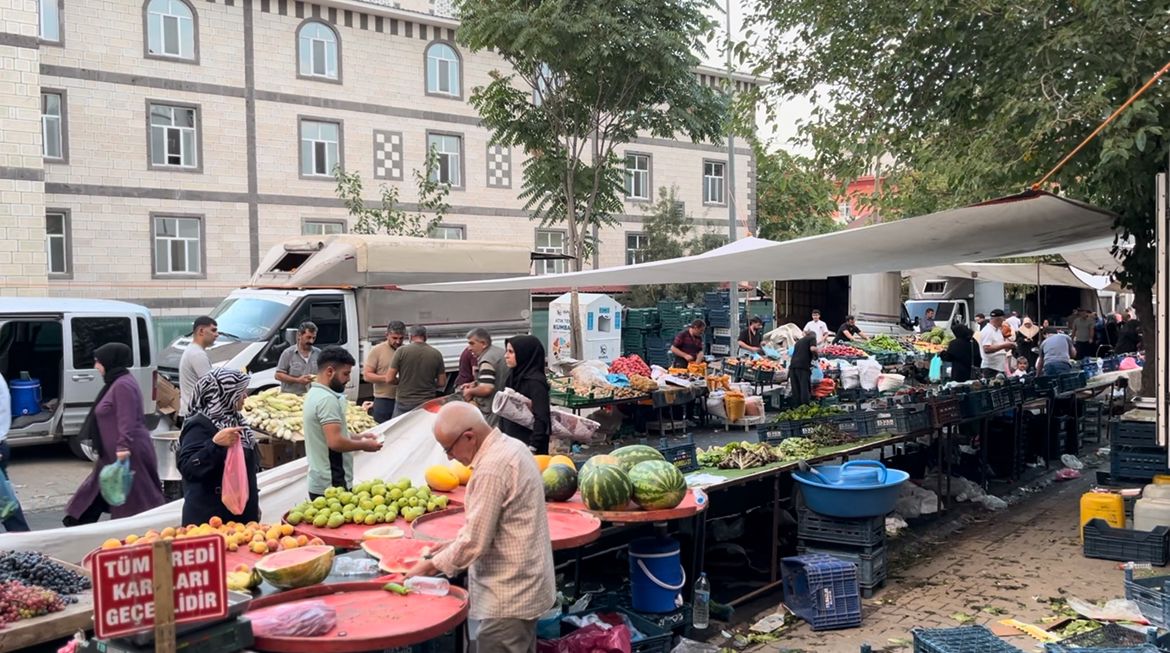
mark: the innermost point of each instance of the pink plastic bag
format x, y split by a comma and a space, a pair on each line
235, 480
590, 639
299, 619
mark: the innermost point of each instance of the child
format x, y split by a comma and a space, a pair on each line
1021, 367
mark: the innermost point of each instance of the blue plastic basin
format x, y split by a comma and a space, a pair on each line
850, 493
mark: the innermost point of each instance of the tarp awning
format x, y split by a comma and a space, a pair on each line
1027, 274
1010, 226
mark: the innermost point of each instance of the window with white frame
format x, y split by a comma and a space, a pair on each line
170, 29
320, 147
49, 20
544, 83
317, 45
57, 243
713, 175
178, 243
636, 248
448, 150
52, 131
322, 227
447, 232
443, 70
174, 137
845, 210
550, 242
638, 176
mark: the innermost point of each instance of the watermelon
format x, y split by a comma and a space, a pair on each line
635, 453
658, 485
560, 482
600, 459
293, 568
397, 556
604, 487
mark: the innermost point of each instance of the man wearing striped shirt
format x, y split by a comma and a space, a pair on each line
505, 542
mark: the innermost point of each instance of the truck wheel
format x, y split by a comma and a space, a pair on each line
82, 449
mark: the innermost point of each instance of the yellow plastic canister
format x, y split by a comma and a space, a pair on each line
1161, 479
1102, 505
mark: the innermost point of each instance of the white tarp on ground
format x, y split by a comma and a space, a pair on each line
408, 450
1019, 273
1011, 226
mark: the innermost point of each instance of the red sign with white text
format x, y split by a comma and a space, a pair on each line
123, 585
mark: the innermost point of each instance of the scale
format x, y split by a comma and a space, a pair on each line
223, 637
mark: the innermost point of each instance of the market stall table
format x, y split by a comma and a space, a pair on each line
568, 528
369, 618
350, 536
53, 626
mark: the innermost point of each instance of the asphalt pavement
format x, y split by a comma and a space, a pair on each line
45, 477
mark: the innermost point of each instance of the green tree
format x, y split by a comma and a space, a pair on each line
794, 198
979, 99
584, 79
670, 233
389, 217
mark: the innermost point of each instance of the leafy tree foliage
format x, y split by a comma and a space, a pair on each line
670, 233
389, 218
794, 198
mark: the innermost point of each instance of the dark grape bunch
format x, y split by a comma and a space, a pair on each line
19, 601
32, 568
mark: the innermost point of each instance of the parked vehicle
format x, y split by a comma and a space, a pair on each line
956, 300
348, 285
874, 299
50, 341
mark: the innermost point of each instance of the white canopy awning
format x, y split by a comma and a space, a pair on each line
1029, 274
1010, 226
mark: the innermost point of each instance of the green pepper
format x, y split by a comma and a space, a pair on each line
396, 588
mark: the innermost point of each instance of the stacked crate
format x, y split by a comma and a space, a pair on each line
861, 542
717, 308
639, 323
1134, 451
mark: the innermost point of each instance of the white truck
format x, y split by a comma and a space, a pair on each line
957, 300
874, 299
348, 285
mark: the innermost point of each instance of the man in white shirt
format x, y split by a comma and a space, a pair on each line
15, 522
195, 362
817, 326
994, 346
1014, 321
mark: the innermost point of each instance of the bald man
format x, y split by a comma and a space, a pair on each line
505, 542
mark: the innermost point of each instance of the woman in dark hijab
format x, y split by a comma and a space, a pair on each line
209, 431
962, 353
525, 358
116, 427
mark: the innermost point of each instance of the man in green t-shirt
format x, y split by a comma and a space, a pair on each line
328, 445
419, 371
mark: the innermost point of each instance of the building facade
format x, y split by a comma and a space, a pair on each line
153, 149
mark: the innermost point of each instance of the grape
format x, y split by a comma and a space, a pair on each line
19, 601
32, 568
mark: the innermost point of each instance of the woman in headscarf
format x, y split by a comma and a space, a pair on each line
524, 357
962, 353
1027, 340
116, 427
210, 430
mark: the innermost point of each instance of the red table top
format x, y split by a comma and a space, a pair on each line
368, 618
568, 528
688, 508
350, 536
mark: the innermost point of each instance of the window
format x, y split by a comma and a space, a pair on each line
49, 20
550, 242
318, 51
52, 125
178, 245
845, 210
174, 136
322, 227
170, 29
638, 176
713, 182
57, 245
443, 76
320, 148
636, 248
449, 166
143, 343
446, 232
89, 333
544, 83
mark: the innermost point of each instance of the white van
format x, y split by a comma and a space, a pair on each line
52, 340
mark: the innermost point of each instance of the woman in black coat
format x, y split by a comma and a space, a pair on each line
525, 357
209, 431
1129, 338
962, 353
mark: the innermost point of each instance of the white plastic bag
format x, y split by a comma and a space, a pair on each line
715, 405
890, 382
591, 373
850, 376
869, 370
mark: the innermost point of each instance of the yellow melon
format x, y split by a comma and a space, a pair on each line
461, 471
543, 461
563, 460
441, 479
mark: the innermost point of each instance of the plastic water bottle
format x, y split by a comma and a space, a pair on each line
428, 585
701, 609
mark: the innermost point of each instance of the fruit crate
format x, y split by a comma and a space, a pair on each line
1126, 433
856, 395
1047, 384
861, 423
774, 432
1015, 393
822, 590
1000, 397
655, 639
1108, 638
815, 527
1137, 464
965, 639
1111, 364
682, 456
976, 404
1126, 545
904, 420
944, 412
1070, 382
870, 563
1152, 595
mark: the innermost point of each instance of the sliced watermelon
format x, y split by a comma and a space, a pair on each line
397, 556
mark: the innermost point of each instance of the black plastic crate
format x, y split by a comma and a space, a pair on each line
1000, 398
815, 527
967, 639
871, 563
774, 432
822, 590
856, 395
1071, 382
904, 420
655, 639
1015, 393
1125, 545
683, 456
1047, 384
975, 404
944, 412
1133, 434
1152, 596
861, 423
1137, 464
1110, 637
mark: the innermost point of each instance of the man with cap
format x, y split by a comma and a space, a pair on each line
994, 346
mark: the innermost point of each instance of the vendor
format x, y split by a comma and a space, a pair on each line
298, 364
849, 331
687, 346
818, 326
505, 543
800, 368
752, 337
213, 427
329, 447
927, 321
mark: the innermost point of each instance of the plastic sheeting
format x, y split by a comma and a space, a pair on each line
1019, 273
409, 448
